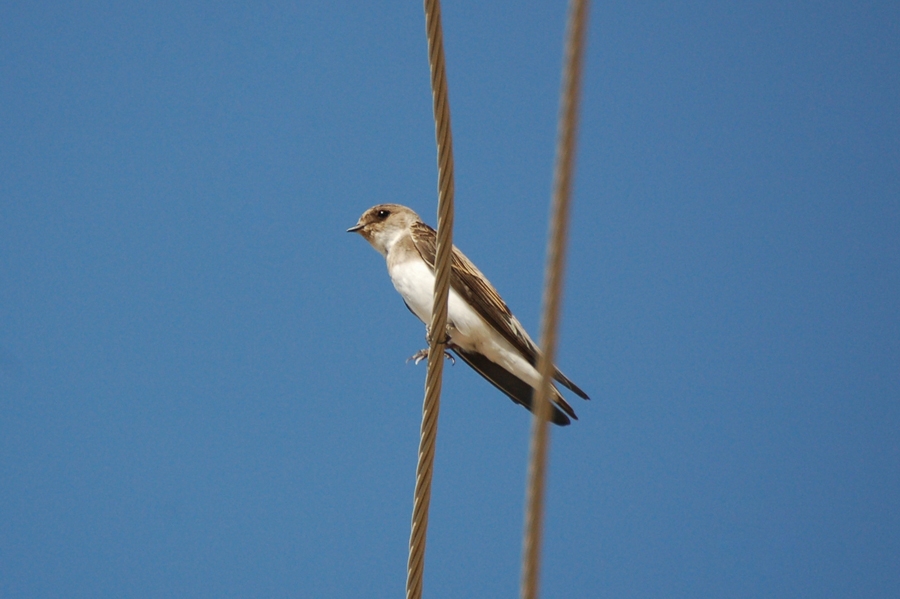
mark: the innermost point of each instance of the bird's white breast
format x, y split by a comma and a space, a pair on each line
414, 281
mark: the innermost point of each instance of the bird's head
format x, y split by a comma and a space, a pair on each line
384, 224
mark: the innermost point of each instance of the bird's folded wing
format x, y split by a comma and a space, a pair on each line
474, 287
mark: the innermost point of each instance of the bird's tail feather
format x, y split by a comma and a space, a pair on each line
564, 380
515, 388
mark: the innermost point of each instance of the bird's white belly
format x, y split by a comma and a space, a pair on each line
414, 280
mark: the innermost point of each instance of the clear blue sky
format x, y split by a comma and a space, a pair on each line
203, 390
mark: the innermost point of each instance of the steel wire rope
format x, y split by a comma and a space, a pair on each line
553, 281
437, 331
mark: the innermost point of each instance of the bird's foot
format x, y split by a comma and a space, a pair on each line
422, 354
445, 340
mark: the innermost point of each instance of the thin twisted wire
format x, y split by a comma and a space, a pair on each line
432, 402
553, 282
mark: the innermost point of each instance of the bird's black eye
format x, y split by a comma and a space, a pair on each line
383, 213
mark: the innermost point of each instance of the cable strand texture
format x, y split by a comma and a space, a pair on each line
436, 343
553, 282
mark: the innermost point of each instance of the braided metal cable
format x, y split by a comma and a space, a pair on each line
437, 332
553, 282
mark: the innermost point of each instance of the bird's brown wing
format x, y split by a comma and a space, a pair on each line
474, 287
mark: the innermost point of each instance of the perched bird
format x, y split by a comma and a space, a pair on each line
480, 327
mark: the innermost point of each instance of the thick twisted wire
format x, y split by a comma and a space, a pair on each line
432, 402
553, 281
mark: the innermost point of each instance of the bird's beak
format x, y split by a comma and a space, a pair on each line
355, 228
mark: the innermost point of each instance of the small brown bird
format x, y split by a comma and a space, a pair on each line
480, 327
